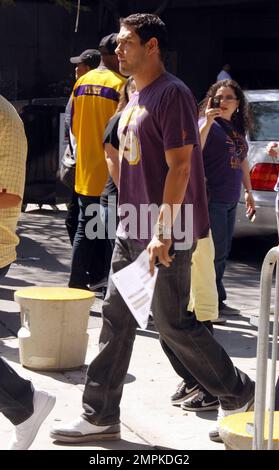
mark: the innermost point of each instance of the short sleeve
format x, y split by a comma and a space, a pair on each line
178, 117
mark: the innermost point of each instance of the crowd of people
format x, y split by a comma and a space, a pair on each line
139, 139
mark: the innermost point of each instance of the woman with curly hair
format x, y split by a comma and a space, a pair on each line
222, 130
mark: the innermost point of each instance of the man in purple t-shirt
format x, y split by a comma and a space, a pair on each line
161, 164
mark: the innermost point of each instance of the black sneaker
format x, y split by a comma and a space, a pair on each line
183, 392
225, 309
203, 401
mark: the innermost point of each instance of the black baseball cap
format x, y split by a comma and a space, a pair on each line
89, 57
108, 44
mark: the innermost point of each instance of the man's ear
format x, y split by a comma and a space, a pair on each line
152, 45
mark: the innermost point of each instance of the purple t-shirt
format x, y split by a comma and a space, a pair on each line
161, 116
223, 154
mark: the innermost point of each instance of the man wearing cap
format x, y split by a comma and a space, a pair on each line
95, 97
86, 61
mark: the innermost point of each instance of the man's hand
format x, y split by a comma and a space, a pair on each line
159, 248
8, 201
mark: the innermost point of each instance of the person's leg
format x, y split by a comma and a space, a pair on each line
16, 395
83, 247
4, 270
71, 220
189, 339
25, 407
219, 222
231, 223
109, 246
106, 373
204, 295
177, 365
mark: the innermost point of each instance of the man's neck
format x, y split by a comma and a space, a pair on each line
104, 65
148, 75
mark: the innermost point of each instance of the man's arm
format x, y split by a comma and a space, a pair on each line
7, 201
112, 159
179, 163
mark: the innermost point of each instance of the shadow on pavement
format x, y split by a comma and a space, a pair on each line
110, 445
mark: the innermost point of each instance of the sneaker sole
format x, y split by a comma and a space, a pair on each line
87, 438
202, 408
215, 437
41, 417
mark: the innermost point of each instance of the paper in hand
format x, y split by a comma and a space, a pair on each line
136, 286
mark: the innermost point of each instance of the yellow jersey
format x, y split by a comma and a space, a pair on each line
95, 98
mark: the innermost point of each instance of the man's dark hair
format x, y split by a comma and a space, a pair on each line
148, 26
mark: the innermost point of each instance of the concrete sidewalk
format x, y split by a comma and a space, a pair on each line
148, 419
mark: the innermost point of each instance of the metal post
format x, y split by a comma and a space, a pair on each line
270, 260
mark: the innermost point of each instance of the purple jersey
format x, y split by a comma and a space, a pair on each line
223, 153
161, 116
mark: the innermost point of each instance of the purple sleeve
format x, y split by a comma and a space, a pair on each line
178, 118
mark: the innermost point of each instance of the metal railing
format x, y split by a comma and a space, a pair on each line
269, 263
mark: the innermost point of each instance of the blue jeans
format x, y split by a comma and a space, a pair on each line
186, 337
16, 393
88, 255
222, 221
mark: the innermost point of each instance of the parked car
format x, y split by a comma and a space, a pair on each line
264, 108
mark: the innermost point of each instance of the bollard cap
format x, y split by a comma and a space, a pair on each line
53, 293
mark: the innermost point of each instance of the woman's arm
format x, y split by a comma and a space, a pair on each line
112, 159
210, 115
246, 181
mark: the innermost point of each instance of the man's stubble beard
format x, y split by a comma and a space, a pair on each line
124, 71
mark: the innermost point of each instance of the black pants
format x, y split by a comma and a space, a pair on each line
178, 366
16, 393
186, 337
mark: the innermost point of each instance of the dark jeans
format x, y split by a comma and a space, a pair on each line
88, 255
106, 212
222, 221
179, 367
187, 338
71, 220
16, 393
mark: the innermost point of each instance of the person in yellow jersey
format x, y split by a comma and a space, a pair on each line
25, 407
95, 98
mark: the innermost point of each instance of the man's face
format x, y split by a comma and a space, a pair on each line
81, 69
130, 52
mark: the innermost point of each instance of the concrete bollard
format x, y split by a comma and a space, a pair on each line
236, 431
53, 333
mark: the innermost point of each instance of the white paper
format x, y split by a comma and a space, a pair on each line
136, 286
